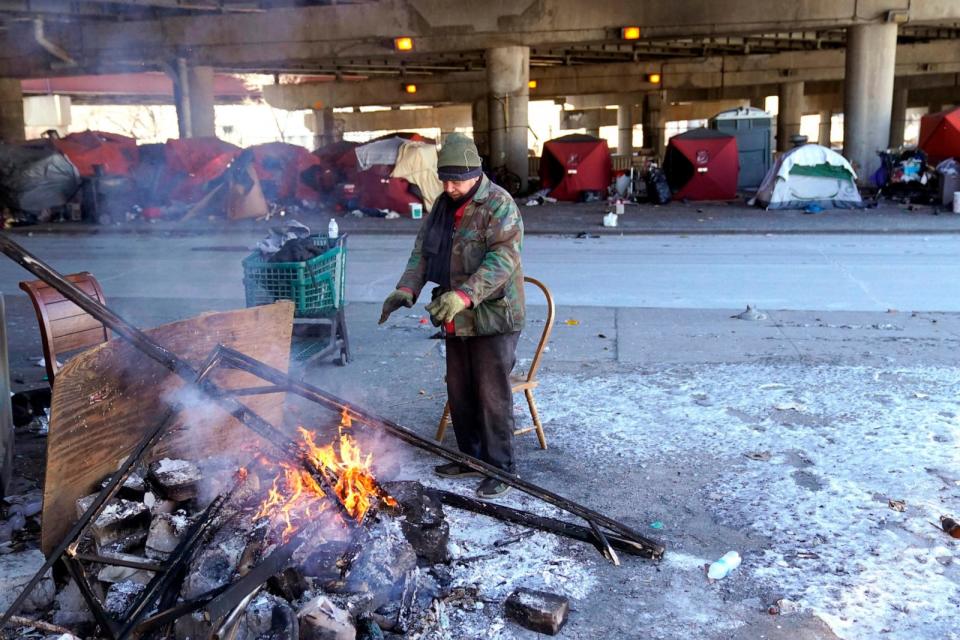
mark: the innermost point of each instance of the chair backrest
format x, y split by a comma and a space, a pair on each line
64, 326
547, 327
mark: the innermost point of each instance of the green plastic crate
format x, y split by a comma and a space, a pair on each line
315, 286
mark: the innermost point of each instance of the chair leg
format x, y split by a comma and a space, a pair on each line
444, 421
536, 418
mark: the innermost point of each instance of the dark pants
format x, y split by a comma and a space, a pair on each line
481, 401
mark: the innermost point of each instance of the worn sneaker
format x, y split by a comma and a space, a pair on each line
455, 470
492, 488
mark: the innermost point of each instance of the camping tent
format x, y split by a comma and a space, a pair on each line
940, 135
809, 175
286, 171
190, 163
116, 154
702, 164
573, 164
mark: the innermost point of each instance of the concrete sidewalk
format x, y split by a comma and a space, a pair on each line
587, 218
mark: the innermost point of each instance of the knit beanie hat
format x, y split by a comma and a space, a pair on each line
458, 158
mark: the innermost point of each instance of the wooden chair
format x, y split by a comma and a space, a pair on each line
526, 383
65, 327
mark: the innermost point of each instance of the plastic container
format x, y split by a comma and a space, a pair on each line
722, 567
333, 231
416, 210
956, 201
315, 286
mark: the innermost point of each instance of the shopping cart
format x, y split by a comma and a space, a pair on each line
316, 287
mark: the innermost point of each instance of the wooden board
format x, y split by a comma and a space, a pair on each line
107, 398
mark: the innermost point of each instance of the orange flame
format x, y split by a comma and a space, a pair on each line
296, 495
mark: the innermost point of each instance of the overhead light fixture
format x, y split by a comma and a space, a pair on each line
403, 43
630, 33
898, 16
532, 84
410, 88
652, 78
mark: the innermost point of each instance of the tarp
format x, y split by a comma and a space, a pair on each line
417, 164
193, 162
377, 190
35, 178
702, 164
117, 154
940, 135
573, 164
282, 168
809, 175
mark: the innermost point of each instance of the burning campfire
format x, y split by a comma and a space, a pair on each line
297, 495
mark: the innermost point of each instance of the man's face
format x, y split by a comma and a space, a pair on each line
456, 189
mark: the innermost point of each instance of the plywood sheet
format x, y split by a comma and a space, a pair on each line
107, 398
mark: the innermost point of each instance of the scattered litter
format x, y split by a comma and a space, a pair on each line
783, 607
790, 406
392, 215
950, 526
772, 385
571, 322
758, 455
921, 396
610, 220
813, 208
424, 321
656, 524
750, 314
722, 567
601, 335
42, 363
897, 505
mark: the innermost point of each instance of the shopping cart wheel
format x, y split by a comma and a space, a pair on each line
342, 359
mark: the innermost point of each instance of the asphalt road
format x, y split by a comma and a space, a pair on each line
812, 272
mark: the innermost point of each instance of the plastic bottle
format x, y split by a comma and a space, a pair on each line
333, 231
722, 567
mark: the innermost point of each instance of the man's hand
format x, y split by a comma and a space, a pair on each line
447, 306
397, 298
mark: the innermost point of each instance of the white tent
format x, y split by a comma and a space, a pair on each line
809, 175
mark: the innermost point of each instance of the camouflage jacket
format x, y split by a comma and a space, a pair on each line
484, 264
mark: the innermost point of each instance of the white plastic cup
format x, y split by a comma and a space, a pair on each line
956, 201
416, 210
619, 207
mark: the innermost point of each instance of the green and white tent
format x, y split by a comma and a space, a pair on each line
809, 175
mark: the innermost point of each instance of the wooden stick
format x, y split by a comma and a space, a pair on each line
550, 525
39, 624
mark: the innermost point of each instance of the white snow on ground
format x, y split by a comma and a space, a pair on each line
842, 442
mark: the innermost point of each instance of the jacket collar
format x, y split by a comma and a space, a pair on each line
484, 191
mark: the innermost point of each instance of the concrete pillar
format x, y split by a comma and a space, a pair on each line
11, 111
868, 94
593, 131
481, 126
193, 97
788, 118
653, 124
201, 102
508, 72
324, 127
625, 128
823, 133
898, 115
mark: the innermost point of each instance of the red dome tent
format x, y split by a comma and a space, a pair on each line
573, 164
940, 135
702, 164
282, 169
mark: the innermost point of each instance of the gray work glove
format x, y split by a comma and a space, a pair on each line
397, 298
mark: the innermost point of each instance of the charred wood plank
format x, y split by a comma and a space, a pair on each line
107, 626
221, 606
117, 562
542, 523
